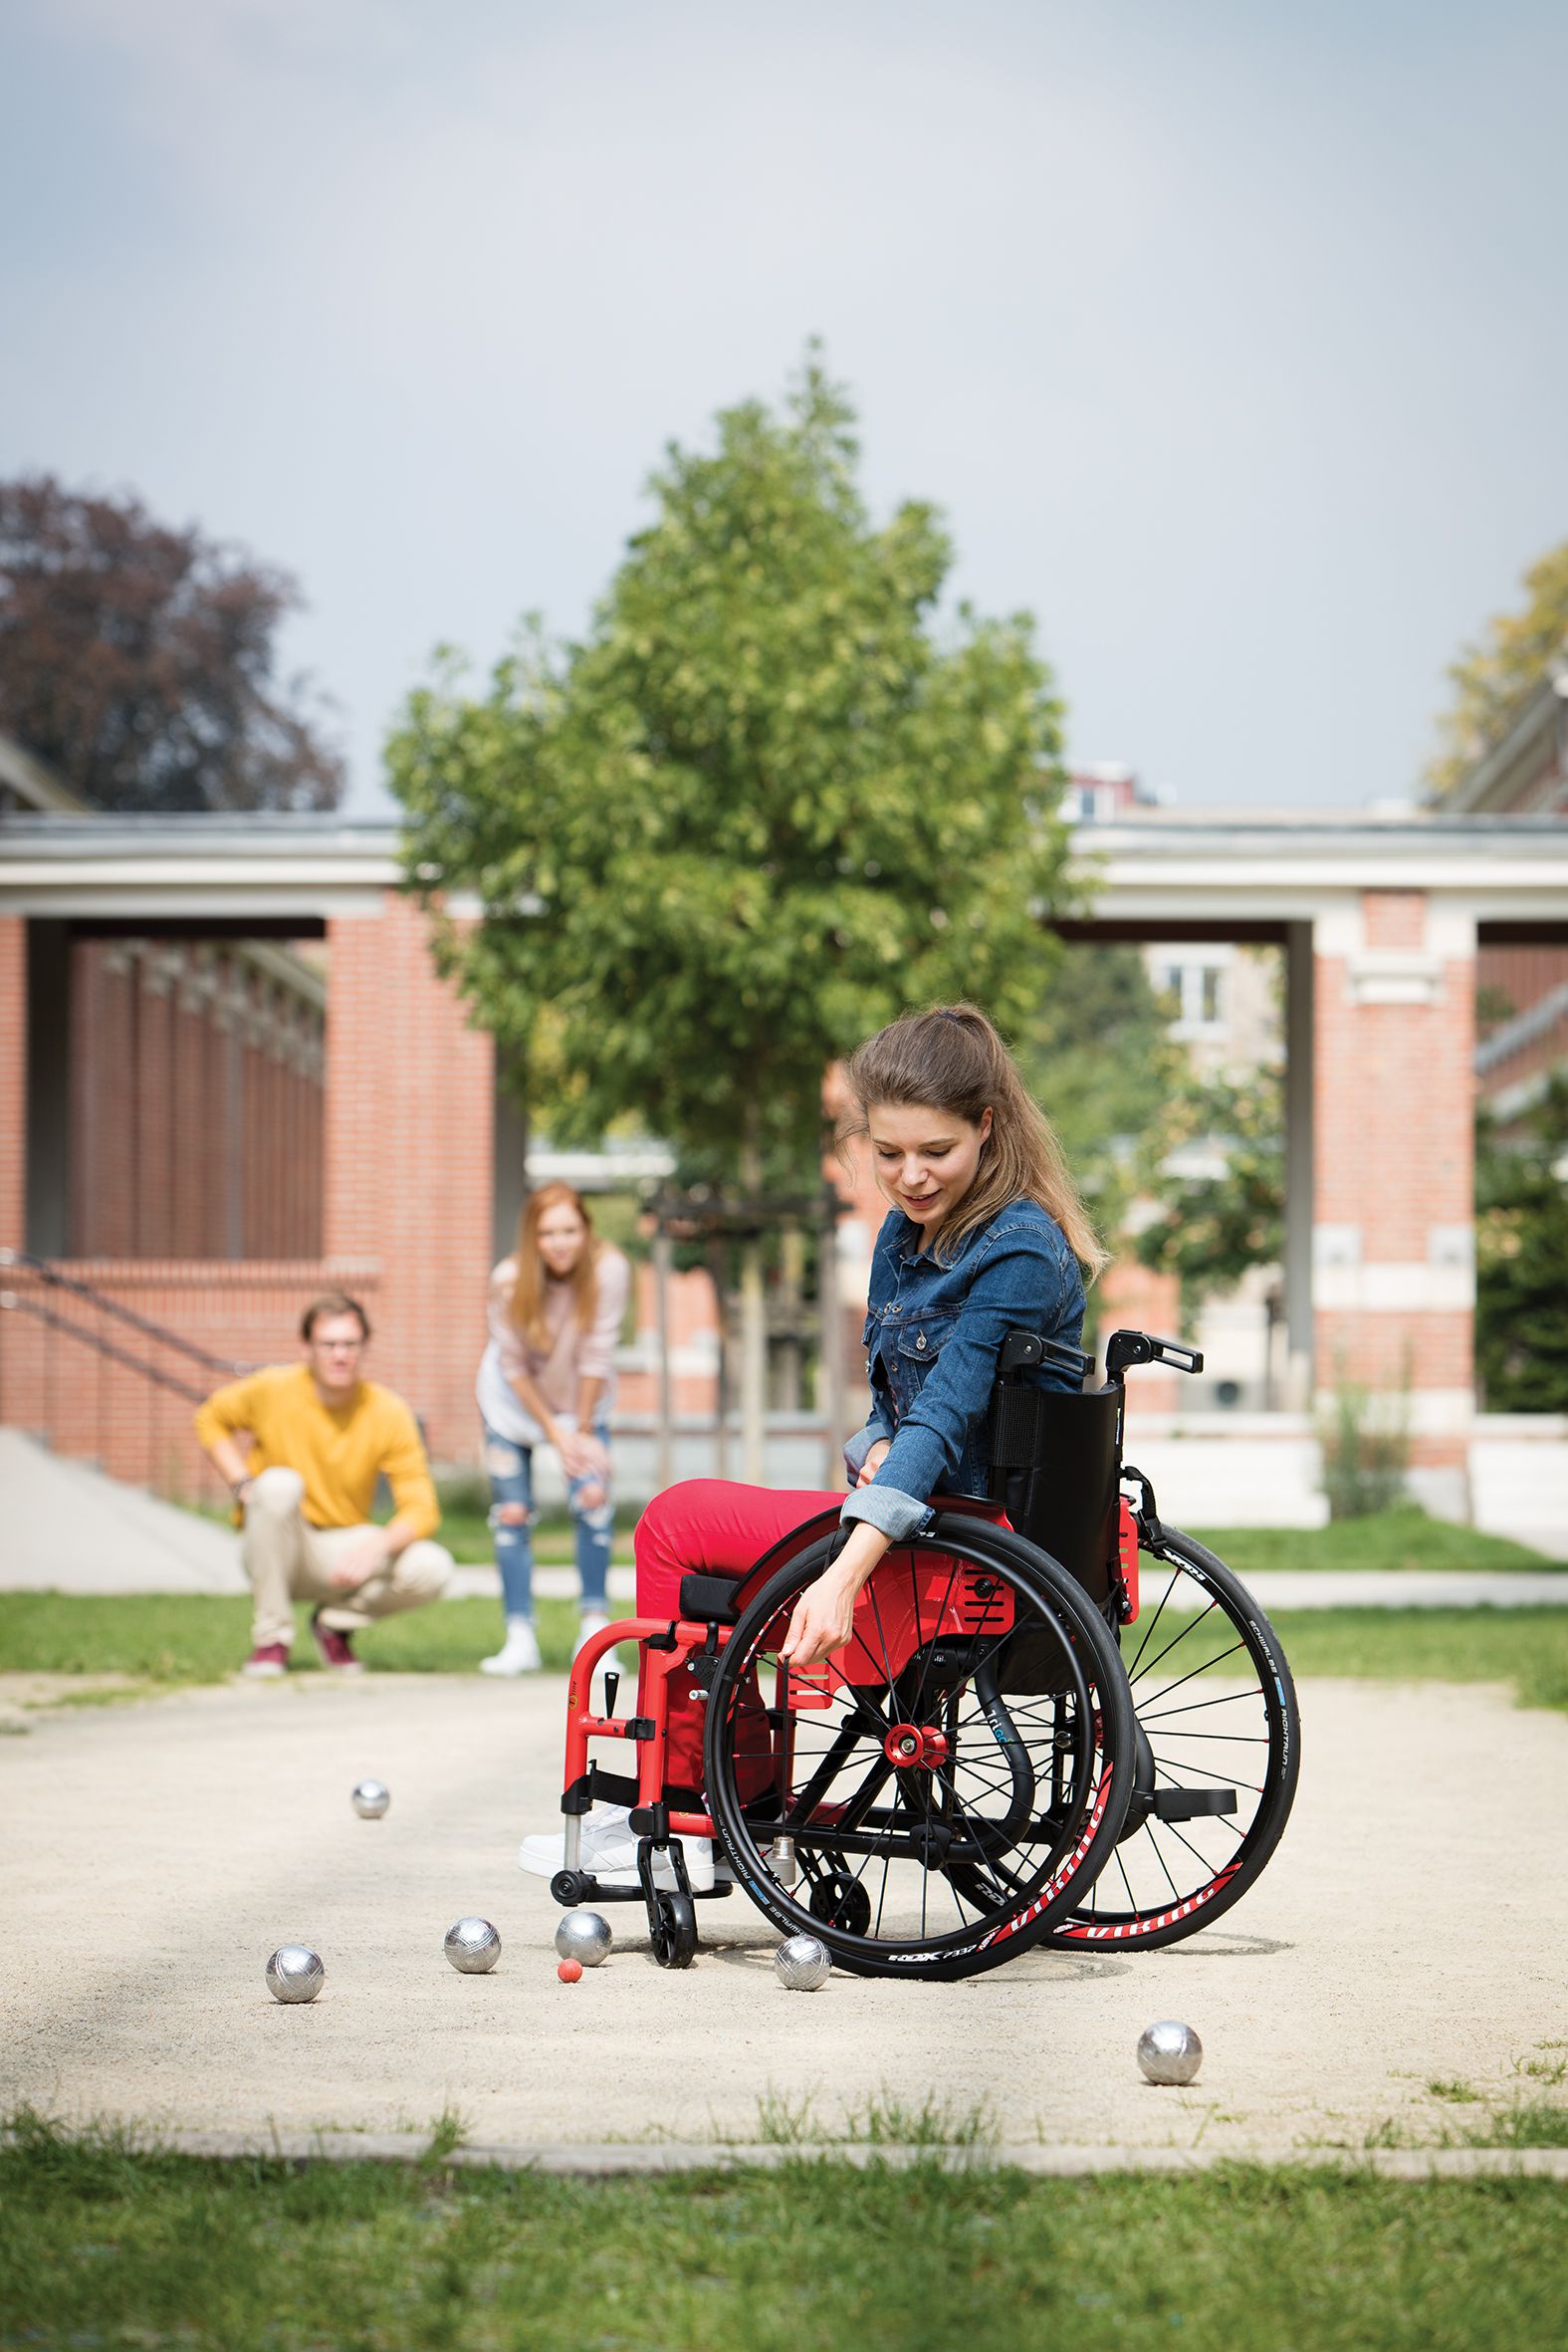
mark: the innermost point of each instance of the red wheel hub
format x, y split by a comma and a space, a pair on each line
913, 1745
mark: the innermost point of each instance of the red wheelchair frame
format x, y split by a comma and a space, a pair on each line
1027, 1424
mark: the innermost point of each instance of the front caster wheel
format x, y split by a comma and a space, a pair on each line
674, 1932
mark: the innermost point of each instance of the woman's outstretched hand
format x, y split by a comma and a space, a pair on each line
821, 1621
823, 1618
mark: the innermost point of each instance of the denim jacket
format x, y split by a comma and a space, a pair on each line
933, 1335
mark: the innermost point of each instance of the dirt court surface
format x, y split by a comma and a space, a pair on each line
1413, 1927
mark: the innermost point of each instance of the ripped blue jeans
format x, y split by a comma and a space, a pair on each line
510, 1469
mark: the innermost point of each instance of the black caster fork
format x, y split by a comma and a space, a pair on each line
672, 1913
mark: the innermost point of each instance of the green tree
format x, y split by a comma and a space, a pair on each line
757, 811
1215, 1164
1514, 653
1521, 1260
765, 804
138, 660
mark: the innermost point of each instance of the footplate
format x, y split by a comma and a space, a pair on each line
1191, 1804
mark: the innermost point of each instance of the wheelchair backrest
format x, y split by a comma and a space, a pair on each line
1056, 1465
1056, 1454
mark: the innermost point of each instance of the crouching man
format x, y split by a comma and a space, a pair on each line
302, 1446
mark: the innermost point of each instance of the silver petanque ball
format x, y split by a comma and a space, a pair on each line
803, 1964
472, 1946
371, 1799
1170, 2051
295, 1973
585, 1935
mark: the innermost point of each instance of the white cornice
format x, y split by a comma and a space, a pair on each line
1218, 865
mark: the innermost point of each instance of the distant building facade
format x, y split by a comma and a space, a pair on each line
1522, 988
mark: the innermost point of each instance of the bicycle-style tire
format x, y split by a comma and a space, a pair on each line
1169, 1879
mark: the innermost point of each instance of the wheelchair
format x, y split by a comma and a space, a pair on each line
1057, 1720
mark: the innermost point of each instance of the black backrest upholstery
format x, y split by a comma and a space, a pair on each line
1055, 1456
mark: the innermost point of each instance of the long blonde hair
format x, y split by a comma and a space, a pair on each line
951, 1060
529, 1291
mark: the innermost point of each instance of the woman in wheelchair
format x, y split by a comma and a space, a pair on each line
985, 1234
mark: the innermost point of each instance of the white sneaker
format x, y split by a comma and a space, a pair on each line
593, 1621
609, 1851
517, 1654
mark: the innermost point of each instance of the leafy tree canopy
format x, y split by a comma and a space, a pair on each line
1215, 1221
1521, 1260
1514, 653
762, 807
138, 660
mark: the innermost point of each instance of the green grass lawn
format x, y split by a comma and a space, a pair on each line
164, 1639
179, 1638
106, 2248
1391, 1540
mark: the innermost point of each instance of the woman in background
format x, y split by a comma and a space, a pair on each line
547, 1378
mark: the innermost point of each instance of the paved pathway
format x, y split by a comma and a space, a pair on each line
1412, 1929
68, 1529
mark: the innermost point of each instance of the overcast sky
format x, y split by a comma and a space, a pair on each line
1231, 336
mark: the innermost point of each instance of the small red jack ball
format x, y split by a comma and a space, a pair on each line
569, 1971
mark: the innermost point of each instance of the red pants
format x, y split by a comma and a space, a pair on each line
716, 1527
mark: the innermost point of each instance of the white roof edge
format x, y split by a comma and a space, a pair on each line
1535, 713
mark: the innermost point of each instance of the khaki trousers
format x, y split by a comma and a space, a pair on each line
286, 1559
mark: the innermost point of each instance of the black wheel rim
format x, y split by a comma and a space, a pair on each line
1214, 1698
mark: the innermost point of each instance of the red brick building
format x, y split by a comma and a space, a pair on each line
1381, 922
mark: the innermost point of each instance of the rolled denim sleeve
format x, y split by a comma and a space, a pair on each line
899, 1515
1020, 1280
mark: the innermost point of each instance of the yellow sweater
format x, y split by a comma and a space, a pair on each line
338, 1451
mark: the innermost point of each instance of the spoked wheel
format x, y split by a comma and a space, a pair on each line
674, 1938
945, 1784
1218, 1709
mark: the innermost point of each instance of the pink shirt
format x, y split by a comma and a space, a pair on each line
570, 1356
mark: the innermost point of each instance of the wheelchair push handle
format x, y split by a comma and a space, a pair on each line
1140, 1347
1022, 1350
1026, 1350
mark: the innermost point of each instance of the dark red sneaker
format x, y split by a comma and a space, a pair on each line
335, 1648
267, 1661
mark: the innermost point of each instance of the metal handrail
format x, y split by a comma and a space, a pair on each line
13, 1301
46, 1273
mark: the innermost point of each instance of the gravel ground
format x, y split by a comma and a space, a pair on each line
1413, 1927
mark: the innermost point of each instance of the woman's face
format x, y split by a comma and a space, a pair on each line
561, 1237
925, 1159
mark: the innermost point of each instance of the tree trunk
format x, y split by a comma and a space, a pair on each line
720, 1434
792, 1283
661, 1292
754, 1320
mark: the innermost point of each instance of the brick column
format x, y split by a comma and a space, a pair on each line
13, 1082
409, 1161
1392, 1240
